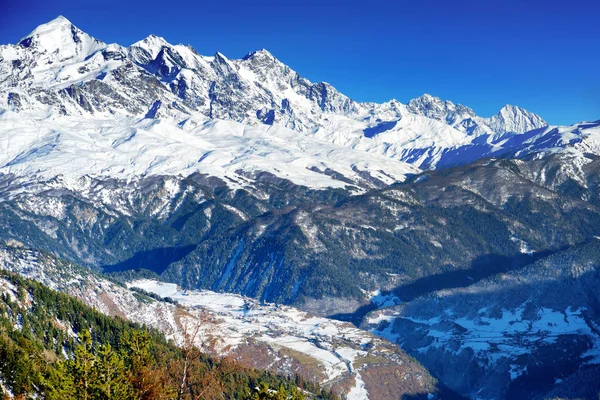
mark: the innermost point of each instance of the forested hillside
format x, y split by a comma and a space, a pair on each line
53, 346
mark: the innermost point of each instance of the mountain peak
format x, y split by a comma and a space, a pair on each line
509, 108
511, 111
428, 100
57, 24
428, 97
62, 38
152, 40
516, 119
221, 57
436, 108
262, 53
152, 44
60, 20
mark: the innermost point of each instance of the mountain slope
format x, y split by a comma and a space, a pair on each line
506, 225
53, 346
517, 334
509, 118
281, 242
35, 147
269, 337
242, 176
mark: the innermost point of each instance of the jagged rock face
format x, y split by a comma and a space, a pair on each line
436, 108
510, 119
243, 176
500, 338
515, 119
58, 55
60, 69
505, 243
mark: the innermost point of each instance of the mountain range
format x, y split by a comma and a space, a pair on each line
59, 71
422, 223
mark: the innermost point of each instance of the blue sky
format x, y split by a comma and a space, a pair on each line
541, 55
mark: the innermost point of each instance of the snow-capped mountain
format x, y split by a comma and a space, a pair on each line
510, 119
256, 88
59, 70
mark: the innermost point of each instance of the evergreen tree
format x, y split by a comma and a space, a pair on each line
120, 361
110, 374
59, 384
82, 367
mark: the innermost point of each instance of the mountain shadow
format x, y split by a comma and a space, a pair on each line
444, 394
481, 267
550, 313
556, 360
155, 260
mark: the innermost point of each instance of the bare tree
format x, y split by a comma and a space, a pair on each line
195, 383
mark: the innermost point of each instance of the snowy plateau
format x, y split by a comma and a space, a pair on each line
275, 208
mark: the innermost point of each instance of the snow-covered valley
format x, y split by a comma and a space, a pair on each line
504, 330
266, 336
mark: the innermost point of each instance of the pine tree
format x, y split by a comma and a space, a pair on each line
281, 394
82, 367
111, 378
142, 365
59, 384
296, 394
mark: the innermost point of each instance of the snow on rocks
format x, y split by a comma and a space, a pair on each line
341, 351
280, 338
60, 70
383, 300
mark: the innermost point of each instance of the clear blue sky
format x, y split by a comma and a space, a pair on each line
541, 55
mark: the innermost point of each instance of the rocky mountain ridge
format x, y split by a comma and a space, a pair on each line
538, 324
58, 55
61, 70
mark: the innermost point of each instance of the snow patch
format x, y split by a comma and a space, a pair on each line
358, 391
